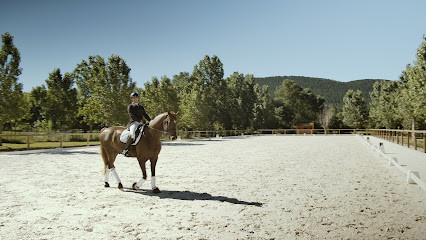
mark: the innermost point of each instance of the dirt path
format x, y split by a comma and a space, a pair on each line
260, 187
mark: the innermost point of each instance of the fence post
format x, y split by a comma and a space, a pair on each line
424, 142
408, 139
397, 137
88, 139
415, 140
28, 141
62, 140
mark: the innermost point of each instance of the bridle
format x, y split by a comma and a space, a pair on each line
167, 122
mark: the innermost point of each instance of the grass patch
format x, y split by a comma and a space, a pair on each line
42, 145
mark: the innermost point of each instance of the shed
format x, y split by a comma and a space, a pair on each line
305, 128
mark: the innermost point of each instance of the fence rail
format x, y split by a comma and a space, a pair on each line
402, 137
49, 140
32, 141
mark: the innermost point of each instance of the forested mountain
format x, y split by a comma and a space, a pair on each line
332, 91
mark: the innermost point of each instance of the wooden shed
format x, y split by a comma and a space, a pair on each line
302, 128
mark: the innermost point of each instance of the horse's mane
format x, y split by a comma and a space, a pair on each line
157, 118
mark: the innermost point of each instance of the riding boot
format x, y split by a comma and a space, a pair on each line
127, 146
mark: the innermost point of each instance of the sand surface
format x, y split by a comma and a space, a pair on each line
256, 187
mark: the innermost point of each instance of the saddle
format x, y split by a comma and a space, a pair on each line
125, 135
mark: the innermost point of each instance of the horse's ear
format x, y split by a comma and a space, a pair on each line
168, 112
177, 114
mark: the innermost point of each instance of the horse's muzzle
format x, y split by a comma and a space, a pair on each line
173, 138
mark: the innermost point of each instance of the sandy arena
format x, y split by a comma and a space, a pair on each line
254, 187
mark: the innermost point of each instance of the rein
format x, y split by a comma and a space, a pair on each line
157, 129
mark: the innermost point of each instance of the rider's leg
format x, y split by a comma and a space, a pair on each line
132, 129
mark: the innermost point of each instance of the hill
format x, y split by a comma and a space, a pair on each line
333, 91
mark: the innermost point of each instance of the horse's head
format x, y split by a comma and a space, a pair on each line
170, 124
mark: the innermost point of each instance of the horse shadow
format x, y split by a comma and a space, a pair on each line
190, 196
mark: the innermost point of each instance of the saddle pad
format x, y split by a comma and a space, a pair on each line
125, 135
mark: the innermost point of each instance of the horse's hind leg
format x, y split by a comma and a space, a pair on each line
109, 167
114, 173
106, 163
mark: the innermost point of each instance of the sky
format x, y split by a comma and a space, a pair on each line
339, 40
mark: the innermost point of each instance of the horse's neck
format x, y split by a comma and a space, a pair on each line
157, 125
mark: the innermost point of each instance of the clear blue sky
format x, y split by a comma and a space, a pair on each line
339, 40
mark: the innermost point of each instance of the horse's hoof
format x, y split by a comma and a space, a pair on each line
106, 184
134, 186
120, 186
156, 190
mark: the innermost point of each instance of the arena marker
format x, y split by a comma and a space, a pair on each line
409, 176
392, 161
382, 147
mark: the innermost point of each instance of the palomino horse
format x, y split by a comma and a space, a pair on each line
147, 148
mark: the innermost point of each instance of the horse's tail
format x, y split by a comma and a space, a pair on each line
105, 158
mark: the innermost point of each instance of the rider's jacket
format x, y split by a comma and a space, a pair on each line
137, 113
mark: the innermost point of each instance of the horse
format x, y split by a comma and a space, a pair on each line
146, 149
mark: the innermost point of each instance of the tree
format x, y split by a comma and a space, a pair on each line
160, 96
304, 105
384, 105
413, 89
61, 106
11, 95
38, 97
264, 109
354, 112
212, 102
241, 100
104, 89
326, 115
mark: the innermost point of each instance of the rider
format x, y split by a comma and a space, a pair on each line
136, 113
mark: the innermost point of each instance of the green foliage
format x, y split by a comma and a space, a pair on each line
354, 111
303, 105
159, 96
60, 106
204, 96
413, 93
385, 99
332, 91
206, 100
242, 99
11, 96
103, 90
264, 109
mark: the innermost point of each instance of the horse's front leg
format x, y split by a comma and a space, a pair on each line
154, 187
137, 185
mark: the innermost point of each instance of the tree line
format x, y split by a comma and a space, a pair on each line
96, 94
333, 91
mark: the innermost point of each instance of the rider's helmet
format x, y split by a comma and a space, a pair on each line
134, 94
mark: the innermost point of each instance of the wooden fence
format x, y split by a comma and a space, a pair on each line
32, 141
47, 140
402, 137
